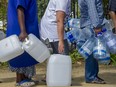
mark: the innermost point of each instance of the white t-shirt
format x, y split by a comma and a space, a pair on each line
48, 25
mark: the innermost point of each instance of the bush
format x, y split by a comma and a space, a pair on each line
75, 56
113, 59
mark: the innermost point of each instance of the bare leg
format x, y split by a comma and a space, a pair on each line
20, 77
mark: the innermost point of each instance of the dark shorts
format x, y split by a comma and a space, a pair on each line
112, 5
54, 46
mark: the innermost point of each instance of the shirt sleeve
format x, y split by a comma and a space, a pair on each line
96, 16
22, 3
61, 5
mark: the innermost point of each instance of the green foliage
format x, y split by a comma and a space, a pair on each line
75, 56
113, 59
3, 12
4, 64
42, 4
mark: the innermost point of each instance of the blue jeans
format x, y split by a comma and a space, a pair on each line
91, 68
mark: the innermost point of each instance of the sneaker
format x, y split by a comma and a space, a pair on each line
100, 78
97, 81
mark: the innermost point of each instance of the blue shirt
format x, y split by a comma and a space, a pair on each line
31, 24
31, 18
91, 12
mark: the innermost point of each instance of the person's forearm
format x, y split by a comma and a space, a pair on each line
60, 28
60, 25
21, 19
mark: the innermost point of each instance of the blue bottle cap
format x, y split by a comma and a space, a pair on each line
99, 34
104, 30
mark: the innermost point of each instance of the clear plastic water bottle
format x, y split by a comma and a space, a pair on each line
99, 51
88, 32
87, 48
108, 25
105, 60
79, 44
75, 35
110, 39
74, 23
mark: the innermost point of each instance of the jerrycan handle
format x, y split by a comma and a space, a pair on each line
27, 41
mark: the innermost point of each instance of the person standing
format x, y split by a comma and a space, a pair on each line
91, 17
52, 25
22, 20
112, 12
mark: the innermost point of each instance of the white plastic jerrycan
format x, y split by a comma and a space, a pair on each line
34, 47
10, 48
59, 70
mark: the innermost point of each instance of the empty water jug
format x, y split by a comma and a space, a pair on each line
87, 48
74, 23
110, 40
34, 47
99, 51
109, 25
59, 68
88, 32
75, 35
10, 48
79, 44
105, 60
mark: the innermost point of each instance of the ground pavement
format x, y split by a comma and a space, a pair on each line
108, 73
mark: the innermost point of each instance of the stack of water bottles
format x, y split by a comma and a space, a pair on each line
96, 46
100, 51
100, 45
110, 40
75, 35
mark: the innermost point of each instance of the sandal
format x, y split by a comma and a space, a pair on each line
25, 83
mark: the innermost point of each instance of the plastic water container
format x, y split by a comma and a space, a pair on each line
79, 44
88, 32
34, 47
109, 25
110, 39
10, 48
74, 23
87, 48
99, 51
105, 60
75, 35
59, 68
113, 48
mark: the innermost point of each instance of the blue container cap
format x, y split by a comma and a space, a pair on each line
70, 36
99, 34
104, 30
